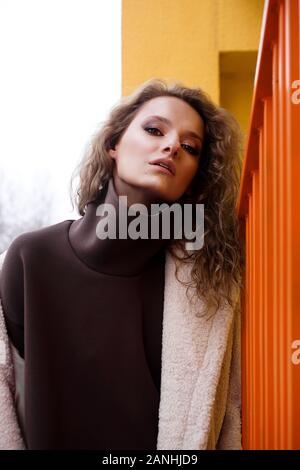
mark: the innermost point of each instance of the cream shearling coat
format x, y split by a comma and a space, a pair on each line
200, 403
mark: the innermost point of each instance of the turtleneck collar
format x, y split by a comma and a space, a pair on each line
118, 256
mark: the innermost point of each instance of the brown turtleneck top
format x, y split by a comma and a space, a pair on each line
86, 315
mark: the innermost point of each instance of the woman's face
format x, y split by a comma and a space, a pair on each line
174, 135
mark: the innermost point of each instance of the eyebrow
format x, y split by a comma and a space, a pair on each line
167, 121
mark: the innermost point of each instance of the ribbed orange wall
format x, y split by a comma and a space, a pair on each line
269, 210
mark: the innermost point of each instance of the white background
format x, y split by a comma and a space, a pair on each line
60, 75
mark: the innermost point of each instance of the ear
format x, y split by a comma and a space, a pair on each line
113, 153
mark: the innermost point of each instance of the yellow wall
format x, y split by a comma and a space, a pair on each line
236, 83
184, 39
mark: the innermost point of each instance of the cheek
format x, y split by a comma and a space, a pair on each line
135, 152
190, 171
133, 145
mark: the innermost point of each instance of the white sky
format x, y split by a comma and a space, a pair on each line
60, 74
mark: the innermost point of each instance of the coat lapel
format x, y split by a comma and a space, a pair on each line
193, 350
10, 435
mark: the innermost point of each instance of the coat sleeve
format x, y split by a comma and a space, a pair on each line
230, 437
10, 433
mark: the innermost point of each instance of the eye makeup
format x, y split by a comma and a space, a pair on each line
189, 148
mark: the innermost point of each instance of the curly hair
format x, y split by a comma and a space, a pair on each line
217, 270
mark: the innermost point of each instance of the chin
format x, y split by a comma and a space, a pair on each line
158, 189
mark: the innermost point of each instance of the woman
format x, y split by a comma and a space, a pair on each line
118, 354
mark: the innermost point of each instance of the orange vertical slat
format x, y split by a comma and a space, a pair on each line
245, 341
268, 276
280, 118
260, 313
276, 329
255, 322
246, 337
282, 188
251, 379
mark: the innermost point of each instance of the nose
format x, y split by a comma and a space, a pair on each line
171, 148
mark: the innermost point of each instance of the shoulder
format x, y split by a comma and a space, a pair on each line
35, 242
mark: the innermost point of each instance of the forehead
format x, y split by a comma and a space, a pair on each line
174, 109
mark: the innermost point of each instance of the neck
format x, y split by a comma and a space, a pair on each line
103, 240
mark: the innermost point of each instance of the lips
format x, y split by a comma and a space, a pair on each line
165, 163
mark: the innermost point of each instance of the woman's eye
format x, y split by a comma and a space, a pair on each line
191, 150
188, 148
152, 130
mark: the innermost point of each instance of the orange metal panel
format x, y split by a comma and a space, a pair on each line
268, 206
292, 40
